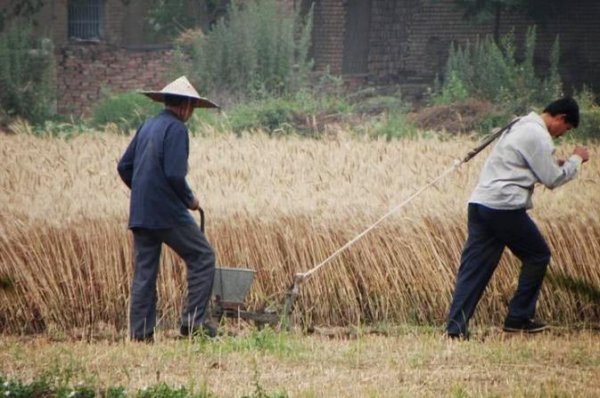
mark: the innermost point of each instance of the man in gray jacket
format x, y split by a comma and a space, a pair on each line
497, 215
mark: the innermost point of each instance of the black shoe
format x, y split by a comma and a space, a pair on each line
524, 326
206, 329
148, 339
458, 336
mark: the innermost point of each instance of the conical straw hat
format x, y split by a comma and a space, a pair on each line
183, 88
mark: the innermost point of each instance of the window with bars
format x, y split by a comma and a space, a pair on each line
86, 19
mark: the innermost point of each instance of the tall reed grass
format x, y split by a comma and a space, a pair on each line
279, 206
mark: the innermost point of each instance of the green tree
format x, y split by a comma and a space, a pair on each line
18, 9
27, 74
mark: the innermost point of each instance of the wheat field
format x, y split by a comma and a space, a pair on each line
280, 207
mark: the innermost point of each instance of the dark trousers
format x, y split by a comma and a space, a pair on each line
189, 243
490, 231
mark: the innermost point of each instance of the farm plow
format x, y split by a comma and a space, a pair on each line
230, 288
229, 291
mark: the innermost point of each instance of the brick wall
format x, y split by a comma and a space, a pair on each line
409, 39
328, 35
86, 70
128, 57
408, 44
125, 23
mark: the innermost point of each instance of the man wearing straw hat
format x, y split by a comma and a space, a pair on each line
497, 215
154, 166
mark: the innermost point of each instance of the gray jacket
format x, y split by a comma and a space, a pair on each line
523, 156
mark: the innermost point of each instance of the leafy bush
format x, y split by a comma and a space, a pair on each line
15, 388
393, 125
127, 110
272, 115
27, 74
286, 114
491, 71
454, 90
260, 49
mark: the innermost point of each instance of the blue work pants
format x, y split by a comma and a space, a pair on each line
490, 231
190, 244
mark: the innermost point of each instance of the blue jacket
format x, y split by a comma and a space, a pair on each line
154, 166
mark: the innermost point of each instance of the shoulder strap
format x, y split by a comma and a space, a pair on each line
488, 140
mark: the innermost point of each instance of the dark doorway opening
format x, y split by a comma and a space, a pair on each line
356, 37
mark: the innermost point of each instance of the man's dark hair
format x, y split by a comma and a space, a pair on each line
175, 100
566, 105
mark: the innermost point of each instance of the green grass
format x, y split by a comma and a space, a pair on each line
407, 362
126, 110
44, 387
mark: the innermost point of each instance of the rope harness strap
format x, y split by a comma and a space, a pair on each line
304, 276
